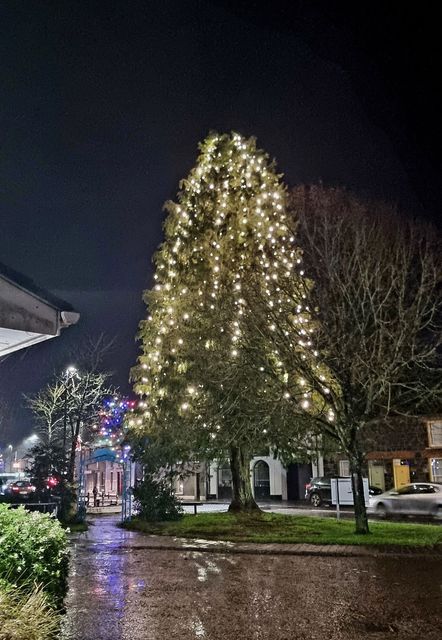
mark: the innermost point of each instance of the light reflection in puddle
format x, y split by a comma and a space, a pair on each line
208, 566
198, 628
203, 543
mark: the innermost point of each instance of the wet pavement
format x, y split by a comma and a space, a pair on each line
122, 590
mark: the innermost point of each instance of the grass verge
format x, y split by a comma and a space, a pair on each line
274, 528
76, 527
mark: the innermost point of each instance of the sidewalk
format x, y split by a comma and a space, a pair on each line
126, 585
169, 543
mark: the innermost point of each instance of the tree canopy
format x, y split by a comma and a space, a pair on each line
375, 310
228, 226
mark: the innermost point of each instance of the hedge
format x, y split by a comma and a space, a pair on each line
33, 550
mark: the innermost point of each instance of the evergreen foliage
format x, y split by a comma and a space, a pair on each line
228, 229
33, 549
156, 501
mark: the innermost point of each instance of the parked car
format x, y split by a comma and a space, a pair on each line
418, 499
5, 489
20, 490
318, 491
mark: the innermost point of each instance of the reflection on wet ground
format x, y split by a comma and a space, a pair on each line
122, 591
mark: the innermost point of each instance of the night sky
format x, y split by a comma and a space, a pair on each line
102, 105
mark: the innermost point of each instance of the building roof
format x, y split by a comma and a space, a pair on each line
28, 285
28, 313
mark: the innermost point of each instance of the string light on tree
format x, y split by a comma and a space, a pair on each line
227, 231
111, 430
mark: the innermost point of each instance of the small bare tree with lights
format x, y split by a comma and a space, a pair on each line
66, 410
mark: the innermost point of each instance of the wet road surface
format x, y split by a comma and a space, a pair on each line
122, 591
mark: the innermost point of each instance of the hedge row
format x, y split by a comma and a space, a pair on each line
33, 550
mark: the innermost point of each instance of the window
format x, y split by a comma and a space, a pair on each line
436, 469
408, 490
425, 488
261, 480
435, 434
225, 476
261, 470
344, 468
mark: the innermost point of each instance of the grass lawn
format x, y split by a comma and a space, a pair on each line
76, 527
273, 527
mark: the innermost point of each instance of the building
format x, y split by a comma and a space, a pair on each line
270, 479
401, 451
213, 481
407, 451
105, 476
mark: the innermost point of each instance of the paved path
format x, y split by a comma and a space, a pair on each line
124, 586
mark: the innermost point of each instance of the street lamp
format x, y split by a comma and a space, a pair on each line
70, 371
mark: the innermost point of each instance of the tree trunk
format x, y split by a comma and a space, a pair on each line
68, 507
71, 463
242, 496
357, 485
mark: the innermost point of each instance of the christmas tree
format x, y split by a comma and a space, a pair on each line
228, 239
111, 430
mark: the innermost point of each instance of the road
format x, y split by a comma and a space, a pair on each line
122, 591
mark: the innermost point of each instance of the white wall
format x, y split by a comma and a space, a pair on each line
277, 475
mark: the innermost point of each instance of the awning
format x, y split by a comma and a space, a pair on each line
28, 314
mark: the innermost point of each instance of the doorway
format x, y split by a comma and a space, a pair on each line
224, 482
298, 475
261, 480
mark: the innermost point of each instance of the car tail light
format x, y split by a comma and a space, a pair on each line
16, 488
32, 488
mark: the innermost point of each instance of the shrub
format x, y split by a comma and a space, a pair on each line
156, 500
26, 614
33, 549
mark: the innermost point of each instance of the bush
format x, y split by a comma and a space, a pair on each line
156, 500
26, 614
33, 549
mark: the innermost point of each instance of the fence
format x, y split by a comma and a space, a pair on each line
101, 499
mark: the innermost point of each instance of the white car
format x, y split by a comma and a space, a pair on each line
417, 499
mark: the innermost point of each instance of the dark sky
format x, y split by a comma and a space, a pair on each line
102, 105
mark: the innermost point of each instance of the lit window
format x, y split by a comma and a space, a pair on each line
435, 434
436, 469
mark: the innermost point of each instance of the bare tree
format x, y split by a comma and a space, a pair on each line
47, 406
369, 343
85, 397
67, 409
92, 351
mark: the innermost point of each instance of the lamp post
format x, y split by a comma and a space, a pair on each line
68, 374
10, 447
